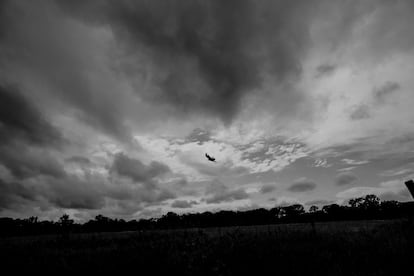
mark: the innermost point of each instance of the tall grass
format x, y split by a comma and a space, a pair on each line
343, 248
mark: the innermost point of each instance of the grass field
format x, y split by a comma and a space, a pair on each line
334, 248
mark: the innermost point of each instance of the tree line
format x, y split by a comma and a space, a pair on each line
361, 208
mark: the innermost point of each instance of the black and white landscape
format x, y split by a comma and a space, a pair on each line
143, 116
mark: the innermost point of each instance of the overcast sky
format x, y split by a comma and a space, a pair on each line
108, 107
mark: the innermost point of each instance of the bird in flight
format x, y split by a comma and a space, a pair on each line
210, 158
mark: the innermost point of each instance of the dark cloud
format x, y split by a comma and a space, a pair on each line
81, 160
91, 192
345, 178
182, 204
21, 120
3, 15
378, 28
389, 28
162, 195
182, 182
27, 151
133, 197
383, 92
149, 191
66, 192
26, 136
325, 69
138, 171
226, 196
24, 162
209, 53
75, 193
218, 192
14, 195
103, 63
406, 139
302, 185
40, 181
360, 112
191, 56
198, 136
39, 45
267, 188
380, 96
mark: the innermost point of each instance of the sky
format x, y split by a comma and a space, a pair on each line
108, 107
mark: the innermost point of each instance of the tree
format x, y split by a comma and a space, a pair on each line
65, 221
170, 220
313, 209
294, 210
102, 219
32, 220
334, 211
371, 202
389, 204
390, 208
356, 202
277, 212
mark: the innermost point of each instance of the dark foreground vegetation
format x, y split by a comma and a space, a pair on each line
325, 248
362, 208
365, 237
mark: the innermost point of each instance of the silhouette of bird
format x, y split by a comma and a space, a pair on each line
210, 158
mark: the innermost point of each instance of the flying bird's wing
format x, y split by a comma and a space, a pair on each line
210, 158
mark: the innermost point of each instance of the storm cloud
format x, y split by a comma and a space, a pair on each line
208, 54
383, 92
302, 185
60, 61
267, 188
345, 178
217, 192
325, 69
67, 192
136, 170
14, 195
21, 120
26, 136
109, 106
360, 112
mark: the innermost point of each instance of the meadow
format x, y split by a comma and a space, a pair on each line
377, 247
